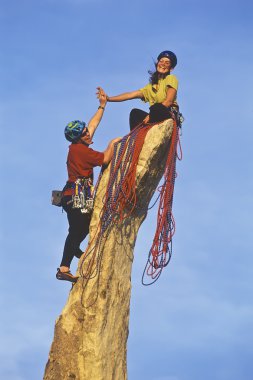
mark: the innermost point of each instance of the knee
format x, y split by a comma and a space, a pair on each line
158, 112
134, 111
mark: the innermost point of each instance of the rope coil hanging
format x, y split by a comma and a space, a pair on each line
161, 249
120, 201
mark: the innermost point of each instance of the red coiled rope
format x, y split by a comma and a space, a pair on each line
126, 201
120, 201
161, 250
120, 197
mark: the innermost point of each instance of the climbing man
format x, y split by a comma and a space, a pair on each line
77, 194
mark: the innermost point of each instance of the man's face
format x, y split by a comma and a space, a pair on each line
85, 138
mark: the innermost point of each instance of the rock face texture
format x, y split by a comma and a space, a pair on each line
91, 333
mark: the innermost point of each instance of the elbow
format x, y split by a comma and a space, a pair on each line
106, 161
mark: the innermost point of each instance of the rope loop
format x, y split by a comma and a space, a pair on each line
120, 201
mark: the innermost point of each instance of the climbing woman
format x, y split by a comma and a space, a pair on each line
161, 92
77, 194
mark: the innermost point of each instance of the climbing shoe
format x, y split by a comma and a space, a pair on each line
66, 276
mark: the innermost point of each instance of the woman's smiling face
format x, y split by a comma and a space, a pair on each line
164, 65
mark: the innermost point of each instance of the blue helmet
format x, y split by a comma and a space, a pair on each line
170, 55
73, 130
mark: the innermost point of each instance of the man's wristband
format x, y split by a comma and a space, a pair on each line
102, 108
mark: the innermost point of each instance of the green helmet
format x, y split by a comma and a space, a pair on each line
73, 130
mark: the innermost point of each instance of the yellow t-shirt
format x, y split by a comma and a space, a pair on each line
157, 93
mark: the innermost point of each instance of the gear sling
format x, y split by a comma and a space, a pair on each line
82, 196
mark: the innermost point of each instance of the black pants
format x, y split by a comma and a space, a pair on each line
158, 112
79, 224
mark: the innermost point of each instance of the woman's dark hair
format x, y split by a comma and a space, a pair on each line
153, 78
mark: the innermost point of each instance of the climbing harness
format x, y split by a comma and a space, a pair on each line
120, 201
82, 195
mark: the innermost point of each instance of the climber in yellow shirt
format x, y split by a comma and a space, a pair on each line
161, 92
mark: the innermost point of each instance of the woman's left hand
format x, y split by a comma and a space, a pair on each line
101, 95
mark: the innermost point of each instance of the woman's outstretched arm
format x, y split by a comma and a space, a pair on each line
125, 96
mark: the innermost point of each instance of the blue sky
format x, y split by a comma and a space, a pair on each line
196, 322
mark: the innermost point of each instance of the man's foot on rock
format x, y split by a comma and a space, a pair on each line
66, 276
